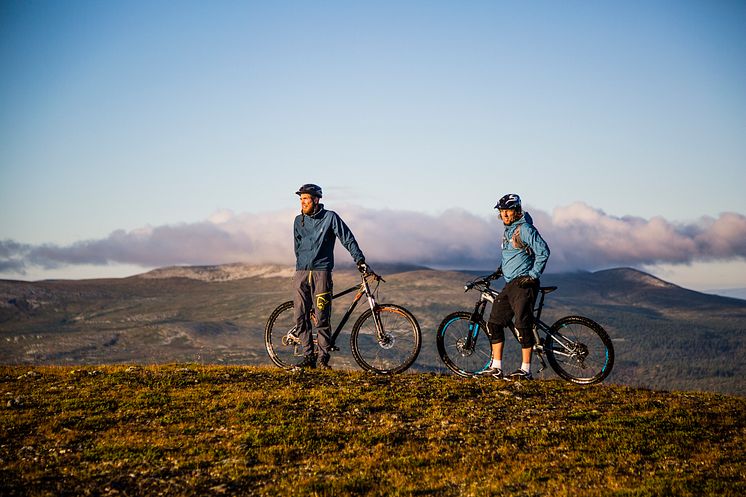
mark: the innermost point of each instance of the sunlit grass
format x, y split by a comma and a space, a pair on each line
196, 430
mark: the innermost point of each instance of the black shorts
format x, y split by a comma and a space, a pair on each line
514, 305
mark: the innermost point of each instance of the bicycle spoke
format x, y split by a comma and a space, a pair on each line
579, 350
282, 344
391, 351
463, 356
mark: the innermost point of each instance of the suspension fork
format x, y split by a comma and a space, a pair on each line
476, 317
374, 309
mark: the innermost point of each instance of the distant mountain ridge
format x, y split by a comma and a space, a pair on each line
240, 270
636, 287
222, 272
734, 293
666, 336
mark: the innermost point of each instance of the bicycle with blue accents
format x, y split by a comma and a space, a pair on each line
577, 348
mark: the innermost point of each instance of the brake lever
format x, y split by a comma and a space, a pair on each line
375, 276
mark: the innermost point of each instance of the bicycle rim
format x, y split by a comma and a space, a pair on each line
451, 339
393, 352
283, 349
579, 350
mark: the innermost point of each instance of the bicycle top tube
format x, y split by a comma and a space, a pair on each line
345, 292
358, 287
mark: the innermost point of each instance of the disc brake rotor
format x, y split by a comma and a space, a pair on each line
461, 347
387, 341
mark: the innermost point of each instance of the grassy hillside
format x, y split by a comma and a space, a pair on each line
218, 430
665, 337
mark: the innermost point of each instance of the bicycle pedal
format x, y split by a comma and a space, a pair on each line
333, 348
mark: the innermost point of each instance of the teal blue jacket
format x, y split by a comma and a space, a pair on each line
524, 251
315, 236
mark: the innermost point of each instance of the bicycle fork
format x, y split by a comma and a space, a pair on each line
476, 318
381, 336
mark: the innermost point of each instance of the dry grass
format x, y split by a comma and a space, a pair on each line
197, 430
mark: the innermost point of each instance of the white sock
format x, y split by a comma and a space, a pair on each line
497, 363
526, 366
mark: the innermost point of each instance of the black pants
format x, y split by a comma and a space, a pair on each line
313, 293
514, 306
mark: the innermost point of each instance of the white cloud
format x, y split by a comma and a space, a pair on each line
579, 236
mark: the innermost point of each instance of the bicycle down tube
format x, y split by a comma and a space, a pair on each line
385, 339
577, 348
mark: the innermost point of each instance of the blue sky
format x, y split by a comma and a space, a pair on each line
134, 128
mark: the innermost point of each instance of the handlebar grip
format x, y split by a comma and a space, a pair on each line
374, 276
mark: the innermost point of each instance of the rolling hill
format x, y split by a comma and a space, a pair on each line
665, 336
225, 430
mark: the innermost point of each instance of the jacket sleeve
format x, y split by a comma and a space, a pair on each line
347, 238
533, 239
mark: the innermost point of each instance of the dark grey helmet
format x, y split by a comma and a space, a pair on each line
311, 189
509, 201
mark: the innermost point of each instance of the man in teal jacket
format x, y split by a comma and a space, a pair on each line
524, 257
316, 231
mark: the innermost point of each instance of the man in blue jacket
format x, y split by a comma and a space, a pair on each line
316, 231
524, 257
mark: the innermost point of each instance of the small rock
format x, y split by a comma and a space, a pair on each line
29, 375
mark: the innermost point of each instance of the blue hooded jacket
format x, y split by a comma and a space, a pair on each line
315, 236
524, 251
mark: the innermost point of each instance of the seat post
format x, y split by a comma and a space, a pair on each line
541, 304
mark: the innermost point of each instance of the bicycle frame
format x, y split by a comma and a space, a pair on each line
577, 348
488, 294
362, 289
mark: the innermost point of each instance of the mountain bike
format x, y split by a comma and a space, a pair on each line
577, 348
385, 339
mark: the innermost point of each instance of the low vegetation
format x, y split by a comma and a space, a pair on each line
212, 430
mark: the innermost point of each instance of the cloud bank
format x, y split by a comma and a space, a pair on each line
580, 238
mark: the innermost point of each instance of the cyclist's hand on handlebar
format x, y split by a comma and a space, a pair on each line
525, 281
363, 267
495, 275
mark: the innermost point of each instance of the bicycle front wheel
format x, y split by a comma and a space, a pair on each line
579, 350
283, 345
456, 351
393, 350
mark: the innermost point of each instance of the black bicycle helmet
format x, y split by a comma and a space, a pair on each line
509, 201
311, 189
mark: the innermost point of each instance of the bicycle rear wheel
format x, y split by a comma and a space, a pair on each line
451, 339
393, 352
283, 345
579, 350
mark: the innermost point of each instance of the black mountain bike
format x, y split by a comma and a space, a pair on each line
578, 349
385, 339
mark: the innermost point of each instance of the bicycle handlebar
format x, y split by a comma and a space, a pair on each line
483, 281
371, 273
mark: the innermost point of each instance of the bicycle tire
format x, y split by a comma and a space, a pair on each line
592, 357
402, 347
450, 338
280, 322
